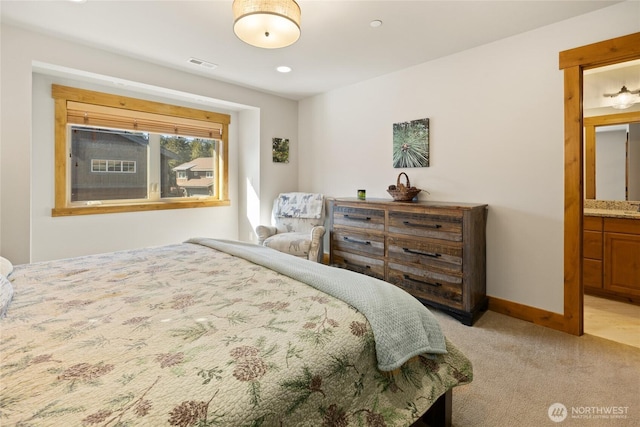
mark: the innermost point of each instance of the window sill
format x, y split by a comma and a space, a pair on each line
138, 207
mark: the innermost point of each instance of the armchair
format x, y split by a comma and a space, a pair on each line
298, 226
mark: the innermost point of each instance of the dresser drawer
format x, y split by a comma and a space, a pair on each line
429, 285
432, 225
370, 219
426, 252
359, 263
352, 241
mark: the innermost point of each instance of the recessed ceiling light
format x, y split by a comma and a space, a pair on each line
375, 23
284, 69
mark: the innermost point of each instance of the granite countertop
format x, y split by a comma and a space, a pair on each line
611, 209
612, 213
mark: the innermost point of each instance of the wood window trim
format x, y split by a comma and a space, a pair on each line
64, 94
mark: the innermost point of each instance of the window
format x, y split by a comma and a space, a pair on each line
125, 166
116, 154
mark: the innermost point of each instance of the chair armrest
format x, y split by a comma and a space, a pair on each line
265, 231
316, 249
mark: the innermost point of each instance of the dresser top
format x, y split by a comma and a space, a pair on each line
423, 203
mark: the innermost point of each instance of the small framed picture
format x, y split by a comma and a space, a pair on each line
280, 150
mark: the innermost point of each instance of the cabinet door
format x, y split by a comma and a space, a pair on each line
622, 263
592, 273
592, 244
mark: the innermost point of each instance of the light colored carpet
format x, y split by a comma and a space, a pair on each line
521, 369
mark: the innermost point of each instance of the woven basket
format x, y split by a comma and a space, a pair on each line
401, 192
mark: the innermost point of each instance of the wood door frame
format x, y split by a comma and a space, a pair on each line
573, 62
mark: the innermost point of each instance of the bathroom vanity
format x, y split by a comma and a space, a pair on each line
611, 251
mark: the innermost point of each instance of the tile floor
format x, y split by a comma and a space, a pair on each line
612, 320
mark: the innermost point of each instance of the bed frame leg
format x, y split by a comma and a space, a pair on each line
439, 414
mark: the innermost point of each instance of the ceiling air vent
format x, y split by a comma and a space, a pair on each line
201, 63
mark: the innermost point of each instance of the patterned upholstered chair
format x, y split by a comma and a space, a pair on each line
298, 226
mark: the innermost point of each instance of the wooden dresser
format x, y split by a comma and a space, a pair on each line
433, 250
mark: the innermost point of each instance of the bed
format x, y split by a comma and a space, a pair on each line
218, 333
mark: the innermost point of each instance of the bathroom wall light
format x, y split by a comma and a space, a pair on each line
625, 98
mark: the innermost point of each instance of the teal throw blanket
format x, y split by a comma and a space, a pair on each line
402, 327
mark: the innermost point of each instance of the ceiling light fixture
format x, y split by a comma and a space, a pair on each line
624, 98
284, 69
268, 24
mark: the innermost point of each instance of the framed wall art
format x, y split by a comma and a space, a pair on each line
280, 150
411, 144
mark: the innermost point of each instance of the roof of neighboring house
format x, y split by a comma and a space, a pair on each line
201, 164
195, 182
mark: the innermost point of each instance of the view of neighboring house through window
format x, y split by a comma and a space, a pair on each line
185, 167
192, 170
108, 164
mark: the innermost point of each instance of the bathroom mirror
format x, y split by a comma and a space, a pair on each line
611, 140
612, 157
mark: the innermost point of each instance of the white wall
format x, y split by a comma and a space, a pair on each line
634, 161
27, 230
611, 160
496, 118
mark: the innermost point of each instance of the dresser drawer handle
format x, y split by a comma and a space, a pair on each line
346, 261
360, 242
429, 254
358, 218
409, 279
410, 224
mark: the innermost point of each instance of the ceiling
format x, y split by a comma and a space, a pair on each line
337, 47
609, 80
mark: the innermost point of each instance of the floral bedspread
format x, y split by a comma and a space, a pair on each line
184, 335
